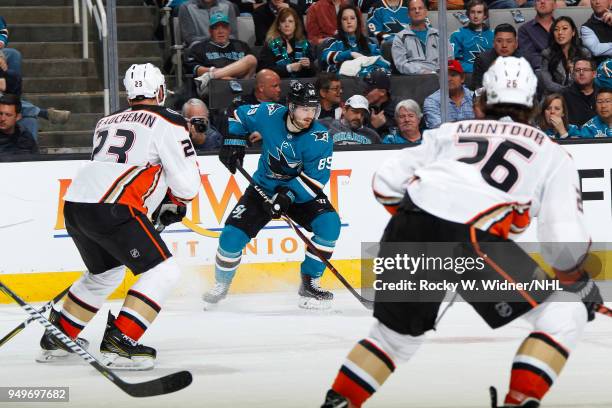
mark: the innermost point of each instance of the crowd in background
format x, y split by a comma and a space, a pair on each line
373, 40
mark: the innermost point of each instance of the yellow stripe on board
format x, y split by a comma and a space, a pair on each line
251, 278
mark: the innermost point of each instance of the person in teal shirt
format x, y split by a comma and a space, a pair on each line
468, 42
600, 125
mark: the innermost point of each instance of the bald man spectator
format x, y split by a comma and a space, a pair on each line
267, 89
596, 33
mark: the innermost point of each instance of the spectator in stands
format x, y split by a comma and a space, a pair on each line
247, 6
506, 4
460, 101
382, 105
195, 18
287, 52
415, 49
597, 31
203, 134
267, 89
13, 56
580, 96
468, 42
408, 118
264, 17
321, 21
534, 34
387, 18
330, 91
557, 59
13, 138
350, 129
10, 82
220, 56
350, 43
601, 124
504, 45
553, 118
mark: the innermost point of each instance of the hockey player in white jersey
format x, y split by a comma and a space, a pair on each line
477, 183
141, 156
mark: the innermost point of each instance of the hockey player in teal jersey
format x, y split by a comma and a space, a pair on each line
294, 166
468, 42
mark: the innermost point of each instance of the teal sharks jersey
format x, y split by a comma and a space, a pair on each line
300, 161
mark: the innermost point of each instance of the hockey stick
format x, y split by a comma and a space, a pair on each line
43, 309
367, 303
159, 386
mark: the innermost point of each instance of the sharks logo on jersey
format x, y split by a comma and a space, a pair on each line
273, 107
321, 136
282, 168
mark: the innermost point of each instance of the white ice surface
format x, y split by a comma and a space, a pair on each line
260, 350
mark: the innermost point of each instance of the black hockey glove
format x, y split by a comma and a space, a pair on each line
168, 212
232, 153
587, 289
280, 202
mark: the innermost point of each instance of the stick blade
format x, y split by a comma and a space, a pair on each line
164, 385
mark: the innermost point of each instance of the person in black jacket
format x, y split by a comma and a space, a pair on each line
13, 138
286, 51
580, 97
504, 44
219, 57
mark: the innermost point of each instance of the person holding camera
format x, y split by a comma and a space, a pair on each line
203, 135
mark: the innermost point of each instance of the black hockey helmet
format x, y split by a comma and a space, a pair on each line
302, 94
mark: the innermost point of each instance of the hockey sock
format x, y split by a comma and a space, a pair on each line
229, 253
536, 365
326, 228
365, 369
85, 298
145, 298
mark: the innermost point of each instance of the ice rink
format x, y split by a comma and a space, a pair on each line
260, 350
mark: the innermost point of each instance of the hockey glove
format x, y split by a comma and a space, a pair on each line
232, 153
169, 211
280, 202
587, 289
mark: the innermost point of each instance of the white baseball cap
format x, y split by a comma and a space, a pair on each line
358, 102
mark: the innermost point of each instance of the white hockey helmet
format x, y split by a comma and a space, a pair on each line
144, 81
510, 80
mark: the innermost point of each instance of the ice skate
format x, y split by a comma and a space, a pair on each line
335, 400
529, 403
215, 295
312, 296
120, 352
53, 350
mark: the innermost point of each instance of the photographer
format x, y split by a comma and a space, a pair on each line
203, 135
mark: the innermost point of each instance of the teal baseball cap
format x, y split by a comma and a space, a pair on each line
218, 17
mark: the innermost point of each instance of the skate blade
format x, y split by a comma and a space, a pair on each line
314, 304
207, 306
59, 355
137, 363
